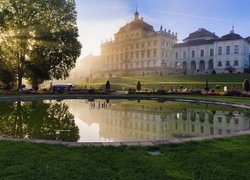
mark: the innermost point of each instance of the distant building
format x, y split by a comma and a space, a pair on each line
138, 49
203, 52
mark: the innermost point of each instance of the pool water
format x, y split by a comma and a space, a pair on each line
117, 120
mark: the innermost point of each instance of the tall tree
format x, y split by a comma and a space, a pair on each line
246, 85
138, 86
39, 37
107, 86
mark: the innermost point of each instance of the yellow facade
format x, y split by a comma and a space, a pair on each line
137, 49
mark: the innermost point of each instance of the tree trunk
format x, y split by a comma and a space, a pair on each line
35, 85
19, 81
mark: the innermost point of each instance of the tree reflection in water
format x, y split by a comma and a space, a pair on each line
37, 120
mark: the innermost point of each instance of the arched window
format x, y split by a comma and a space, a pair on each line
210, 64
202, 65
184, 65
193, 65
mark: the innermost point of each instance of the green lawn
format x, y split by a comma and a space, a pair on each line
188, 81
227, 158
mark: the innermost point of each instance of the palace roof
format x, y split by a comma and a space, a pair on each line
248, 39
137, 24
230, 36
194, 43
201, 34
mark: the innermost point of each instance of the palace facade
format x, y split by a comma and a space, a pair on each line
132, 122
137, 49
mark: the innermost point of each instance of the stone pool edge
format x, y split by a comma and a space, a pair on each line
128, 143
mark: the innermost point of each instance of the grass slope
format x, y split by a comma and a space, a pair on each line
189, 81
213, 159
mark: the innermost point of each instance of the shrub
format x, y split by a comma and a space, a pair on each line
161, 91
131, 91
107, 86
230, 69
233, 93
213, 71
196, 92
217, 87
245, 95
138, 86
246, 85
206, 86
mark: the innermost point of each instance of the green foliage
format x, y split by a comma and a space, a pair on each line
206, 86
107, 86
246, 85
230, 69
213, 71
39, 38
7, 78
37, 120
138, 86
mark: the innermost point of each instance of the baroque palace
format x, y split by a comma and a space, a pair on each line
137, 49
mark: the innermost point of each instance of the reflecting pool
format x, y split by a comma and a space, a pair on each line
117, 120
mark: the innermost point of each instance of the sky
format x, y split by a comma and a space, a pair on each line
99, 20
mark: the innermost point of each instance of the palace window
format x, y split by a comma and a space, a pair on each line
155, 43
137, 46
236, 49
219, 119
132, 55
154, 52
219, 50
228, 50
166, 54
227, 63
137, 55
193, 54
202, 53
176, 55
211, 52
236, 63
142, 45
148, 52
202, 129
149, 43
142, 54
184, 54
219, 63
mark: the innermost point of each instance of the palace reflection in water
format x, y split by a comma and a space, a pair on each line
117, 120
127, 121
